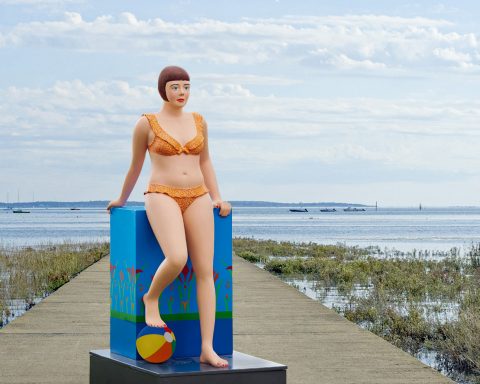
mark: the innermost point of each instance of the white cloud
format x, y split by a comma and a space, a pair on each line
242, 79
97, 119
365, 43
355, 21
342, 61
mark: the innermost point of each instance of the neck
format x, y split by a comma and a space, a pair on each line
169, 109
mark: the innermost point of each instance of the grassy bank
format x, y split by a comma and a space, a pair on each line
406, 295
28, 273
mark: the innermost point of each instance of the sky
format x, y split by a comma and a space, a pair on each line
312, 101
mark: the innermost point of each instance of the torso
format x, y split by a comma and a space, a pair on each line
181, 170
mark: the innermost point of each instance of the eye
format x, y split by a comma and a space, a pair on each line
175, 87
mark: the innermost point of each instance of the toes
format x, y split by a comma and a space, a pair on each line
221, 363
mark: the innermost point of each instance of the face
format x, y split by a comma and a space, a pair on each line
178, 92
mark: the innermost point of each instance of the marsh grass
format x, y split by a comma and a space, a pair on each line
28, 273
400, 285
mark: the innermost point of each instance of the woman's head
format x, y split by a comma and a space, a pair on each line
173, 84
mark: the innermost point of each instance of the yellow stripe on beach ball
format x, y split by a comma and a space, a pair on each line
149, 344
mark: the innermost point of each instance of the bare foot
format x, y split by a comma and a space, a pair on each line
209, 356
152, 315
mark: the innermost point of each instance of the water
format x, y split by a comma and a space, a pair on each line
401, 228
53, 225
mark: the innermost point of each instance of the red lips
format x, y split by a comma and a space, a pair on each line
180, 99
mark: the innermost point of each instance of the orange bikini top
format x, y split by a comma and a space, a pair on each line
165, 144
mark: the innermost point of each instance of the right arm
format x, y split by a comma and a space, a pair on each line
139, 149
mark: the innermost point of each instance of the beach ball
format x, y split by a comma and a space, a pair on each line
156, 345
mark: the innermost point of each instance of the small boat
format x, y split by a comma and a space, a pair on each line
19, 210
354, 209
74, 209
298, 210
328, 210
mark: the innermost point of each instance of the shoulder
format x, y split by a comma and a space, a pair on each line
144, 120
144, 117
142, 125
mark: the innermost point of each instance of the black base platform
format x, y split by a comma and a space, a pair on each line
108, 367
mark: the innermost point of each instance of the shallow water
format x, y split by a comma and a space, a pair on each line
439, 228
331, 297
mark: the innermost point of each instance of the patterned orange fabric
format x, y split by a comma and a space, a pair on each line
165, 144
183, 196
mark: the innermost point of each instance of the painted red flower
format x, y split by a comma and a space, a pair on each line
185, 271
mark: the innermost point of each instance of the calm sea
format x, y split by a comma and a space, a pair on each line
395, 228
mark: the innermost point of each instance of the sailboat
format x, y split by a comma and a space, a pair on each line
8, 203
19, 210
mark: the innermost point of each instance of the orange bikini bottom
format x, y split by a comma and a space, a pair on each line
183, 196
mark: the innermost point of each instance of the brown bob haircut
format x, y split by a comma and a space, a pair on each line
170, 73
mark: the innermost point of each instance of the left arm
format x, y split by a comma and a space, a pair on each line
209, 176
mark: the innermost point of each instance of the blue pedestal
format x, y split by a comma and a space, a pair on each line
134, 257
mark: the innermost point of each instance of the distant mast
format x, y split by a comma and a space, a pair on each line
376, 207
420, 207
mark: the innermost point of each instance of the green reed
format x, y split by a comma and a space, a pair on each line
396, 280
31, 272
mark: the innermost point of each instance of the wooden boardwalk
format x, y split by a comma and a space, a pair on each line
50, 343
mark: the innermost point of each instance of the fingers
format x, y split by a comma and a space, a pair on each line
224, 210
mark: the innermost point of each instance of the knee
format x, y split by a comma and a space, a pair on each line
178, 260
204, 274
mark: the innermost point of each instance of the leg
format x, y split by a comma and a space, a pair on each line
166, 221
199, 230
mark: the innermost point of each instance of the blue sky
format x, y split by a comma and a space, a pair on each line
306, 101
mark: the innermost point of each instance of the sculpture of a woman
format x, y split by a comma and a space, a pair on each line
179, 199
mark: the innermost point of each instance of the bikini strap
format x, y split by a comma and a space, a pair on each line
153, 123
200, 120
